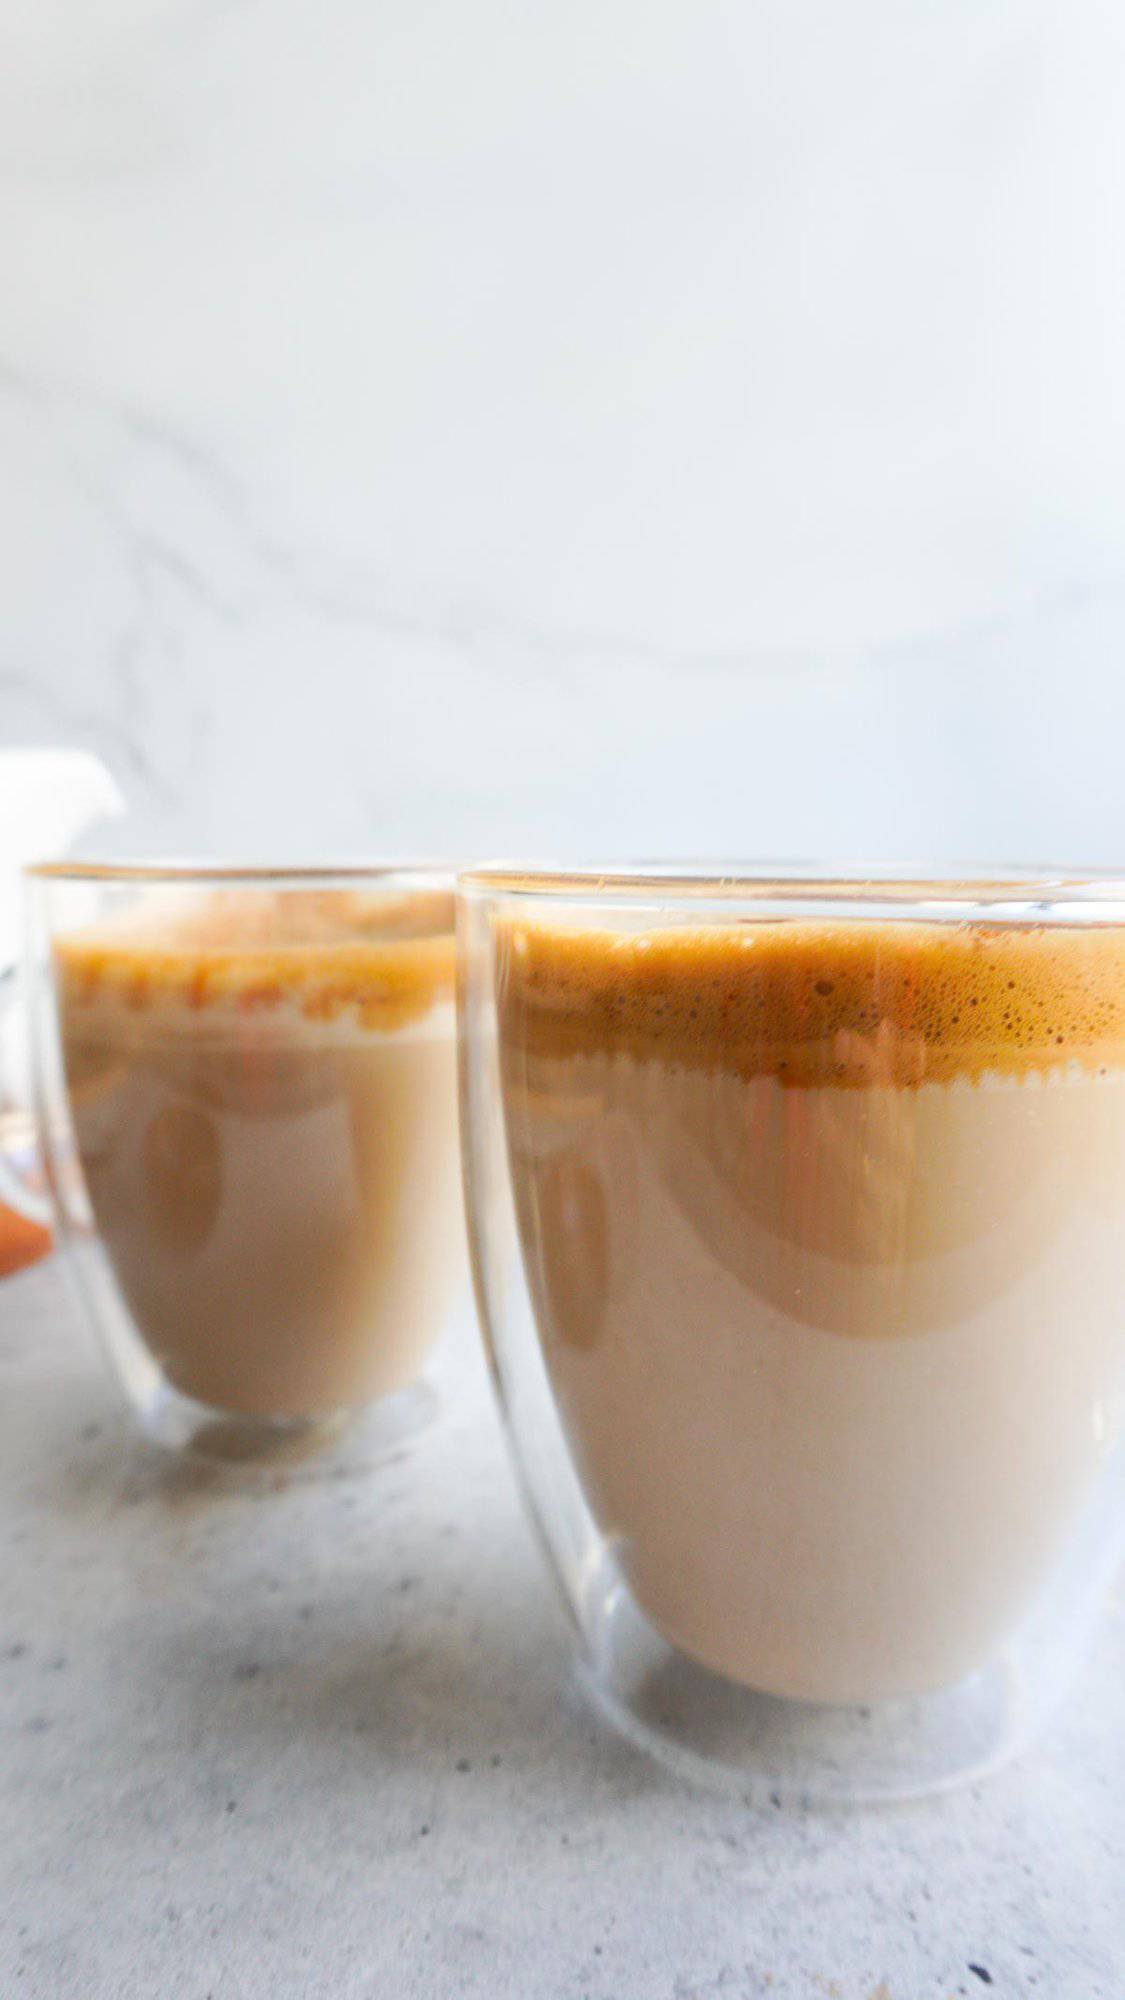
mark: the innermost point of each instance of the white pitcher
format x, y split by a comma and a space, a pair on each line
48, 798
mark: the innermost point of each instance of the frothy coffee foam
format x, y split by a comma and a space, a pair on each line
813, 1003
375, 963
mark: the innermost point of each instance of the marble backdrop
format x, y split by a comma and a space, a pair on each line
629, 426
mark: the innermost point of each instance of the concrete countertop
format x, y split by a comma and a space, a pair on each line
320, 1741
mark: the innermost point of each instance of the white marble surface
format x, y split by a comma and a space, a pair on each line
626, 426
319, 1744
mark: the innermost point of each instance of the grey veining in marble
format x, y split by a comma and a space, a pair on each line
621, 429
319, 1743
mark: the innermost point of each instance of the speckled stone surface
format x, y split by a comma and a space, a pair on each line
320, 1744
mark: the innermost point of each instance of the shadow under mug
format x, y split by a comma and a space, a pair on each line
797, 1213
244, 1091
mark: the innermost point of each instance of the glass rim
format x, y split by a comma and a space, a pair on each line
236, 874
938, 886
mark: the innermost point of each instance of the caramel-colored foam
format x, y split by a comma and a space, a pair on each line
821, 1002
327, 952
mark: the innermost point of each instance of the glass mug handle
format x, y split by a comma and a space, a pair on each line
25, 1229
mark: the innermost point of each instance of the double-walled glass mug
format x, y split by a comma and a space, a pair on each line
797, 1210
245, 1092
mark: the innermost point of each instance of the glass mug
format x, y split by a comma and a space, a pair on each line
245, 1094
797, 1214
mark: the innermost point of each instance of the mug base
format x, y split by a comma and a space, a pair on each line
768, 1750
333, 1445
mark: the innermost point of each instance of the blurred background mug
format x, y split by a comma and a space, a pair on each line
796, 1208
245, 1092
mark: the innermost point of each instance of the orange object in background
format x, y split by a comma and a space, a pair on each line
21, 1242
